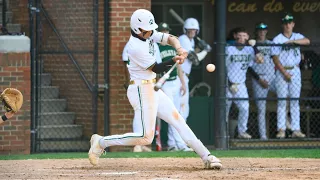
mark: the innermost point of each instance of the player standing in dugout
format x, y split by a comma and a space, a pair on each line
266, 72
239, 58
288, 75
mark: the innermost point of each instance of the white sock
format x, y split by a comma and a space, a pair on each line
199, 148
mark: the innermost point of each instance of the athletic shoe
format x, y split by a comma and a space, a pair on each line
244, 136
173, 149
146, 149
95, 149
298, 134
137, 148
281, 134
212, 163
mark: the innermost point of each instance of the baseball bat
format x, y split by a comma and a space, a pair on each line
176, 16
164, 78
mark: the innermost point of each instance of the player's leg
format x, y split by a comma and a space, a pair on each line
294, 92
184, 109
282, 92
181, 145
144, 101
260, 92
228, 106
170, 114
170, 89
243, 106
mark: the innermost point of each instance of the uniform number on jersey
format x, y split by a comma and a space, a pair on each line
244, 66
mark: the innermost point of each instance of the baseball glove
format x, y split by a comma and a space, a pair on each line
192, 56
12, 99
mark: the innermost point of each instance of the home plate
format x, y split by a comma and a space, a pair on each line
117, 173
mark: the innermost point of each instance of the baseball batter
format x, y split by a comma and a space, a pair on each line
190, 28
173, 88
125, 59
266, 74
147, 103
238, 59
288, 75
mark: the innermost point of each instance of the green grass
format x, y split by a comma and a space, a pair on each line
284, 153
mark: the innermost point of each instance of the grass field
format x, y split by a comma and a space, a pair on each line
284, 153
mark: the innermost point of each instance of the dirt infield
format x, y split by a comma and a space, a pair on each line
160, 168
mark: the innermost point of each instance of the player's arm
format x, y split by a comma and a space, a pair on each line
253, 73
161, 67
174, 42
303, 41
280, 68
126, 74
299, 40
6, 116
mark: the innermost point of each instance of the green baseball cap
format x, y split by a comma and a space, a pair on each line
287, 18
163, 26
262, 26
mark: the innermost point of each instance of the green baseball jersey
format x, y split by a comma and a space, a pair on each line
167, 53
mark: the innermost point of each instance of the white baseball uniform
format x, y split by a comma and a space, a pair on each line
266, 71
147, 103
188, 45
290, 58
237, 63
125, 58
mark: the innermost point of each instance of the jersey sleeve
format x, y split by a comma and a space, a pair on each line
141, 58
125, 53
185, 43
160, 37
298, 36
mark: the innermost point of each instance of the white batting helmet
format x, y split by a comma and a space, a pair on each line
143, 19
191, 23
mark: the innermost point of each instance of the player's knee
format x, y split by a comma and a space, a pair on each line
147, 138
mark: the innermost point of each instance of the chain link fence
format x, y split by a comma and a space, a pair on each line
64, 66
266, 105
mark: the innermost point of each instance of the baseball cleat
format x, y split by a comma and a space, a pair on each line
281, 134
298, 134
212, 163
244, 136
95, 149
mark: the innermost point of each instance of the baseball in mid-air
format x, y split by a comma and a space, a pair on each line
211, 67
